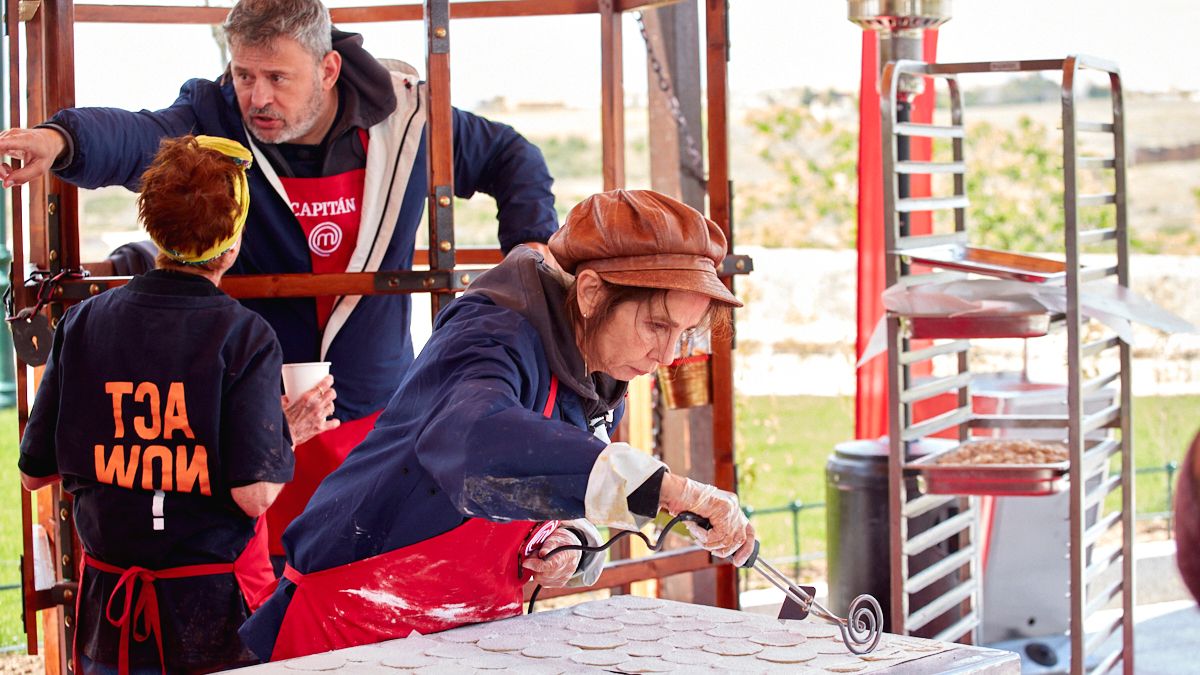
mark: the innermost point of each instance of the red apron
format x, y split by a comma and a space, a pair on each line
329, 209
468, 575
315, 459
139, 605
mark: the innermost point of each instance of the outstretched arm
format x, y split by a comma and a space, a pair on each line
493, 158
38, 150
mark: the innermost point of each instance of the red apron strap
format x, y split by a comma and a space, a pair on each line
292, 574
550, 399
141, 602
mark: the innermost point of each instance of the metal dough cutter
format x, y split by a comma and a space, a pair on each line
861, 629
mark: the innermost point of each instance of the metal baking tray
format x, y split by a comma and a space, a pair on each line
1011, 480
967, 326
988, 261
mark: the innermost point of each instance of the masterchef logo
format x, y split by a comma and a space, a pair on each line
325, 239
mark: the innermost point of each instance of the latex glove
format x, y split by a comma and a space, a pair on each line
309, 414
36, 148
731, 536
557, 570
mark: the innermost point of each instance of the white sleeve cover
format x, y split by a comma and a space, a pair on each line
589, 574
618, 471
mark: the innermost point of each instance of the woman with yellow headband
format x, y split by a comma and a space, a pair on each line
159, 410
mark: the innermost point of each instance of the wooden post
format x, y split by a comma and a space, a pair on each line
720, 210
674, 72
439, 128
612, 97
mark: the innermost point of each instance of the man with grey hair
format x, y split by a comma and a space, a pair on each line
338, 185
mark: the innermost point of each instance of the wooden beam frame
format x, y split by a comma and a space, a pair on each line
50, 67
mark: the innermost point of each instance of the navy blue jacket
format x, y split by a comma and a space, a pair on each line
464, 436
368, 339
180, 350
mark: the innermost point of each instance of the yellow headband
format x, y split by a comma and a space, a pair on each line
241, 194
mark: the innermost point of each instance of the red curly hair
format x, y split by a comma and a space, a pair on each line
187, 200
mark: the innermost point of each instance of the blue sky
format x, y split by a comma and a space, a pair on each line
776, 44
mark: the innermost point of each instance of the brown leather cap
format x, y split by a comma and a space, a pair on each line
645, 239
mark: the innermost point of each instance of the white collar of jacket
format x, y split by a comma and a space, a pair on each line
379, 213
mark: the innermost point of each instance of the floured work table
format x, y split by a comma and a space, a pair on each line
629, 634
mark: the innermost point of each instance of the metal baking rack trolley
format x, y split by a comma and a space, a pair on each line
917, 343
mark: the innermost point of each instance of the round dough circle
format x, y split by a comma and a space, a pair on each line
451, 650
408, 661
595, 626
656, 649
549, 650
444, 669
598, 658
465, 635
645, 633
492, 661
687, 640
677, 609
596, 610
838, 649
645, 666
639, 619
317, 662
687, 625
505, 643
733, 630
779, 638
733, 648
689, 657
726, 616
597, 641
363, 654
787, 654
846, 667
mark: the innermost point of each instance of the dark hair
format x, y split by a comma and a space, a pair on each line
718, 318
258, 23
186, 202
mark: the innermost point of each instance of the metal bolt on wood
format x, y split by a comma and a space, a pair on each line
445, 246
443, 201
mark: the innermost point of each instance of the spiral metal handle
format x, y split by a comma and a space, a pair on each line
863, 626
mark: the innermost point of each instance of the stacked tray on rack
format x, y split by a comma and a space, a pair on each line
996, 466
988, 262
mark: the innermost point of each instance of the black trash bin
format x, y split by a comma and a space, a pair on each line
857, 539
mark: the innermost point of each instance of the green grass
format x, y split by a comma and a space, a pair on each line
783, 445
11, 632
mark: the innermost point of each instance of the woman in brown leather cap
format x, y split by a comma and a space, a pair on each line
495, 449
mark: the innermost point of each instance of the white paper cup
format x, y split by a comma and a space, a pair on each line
300, 377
